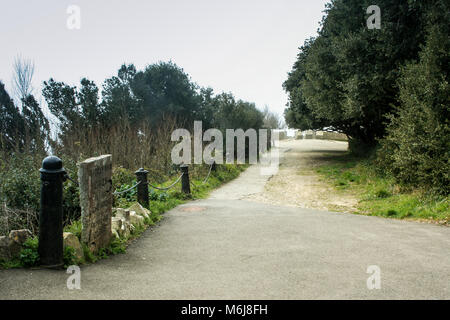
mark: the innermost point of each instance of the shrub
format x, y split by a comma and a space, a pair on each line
69, 257
75, 227
29, 255
382, 193
417, 148
20, 183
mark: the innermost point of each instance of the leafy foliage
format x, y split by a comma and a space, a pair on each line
417, 147
69, 257
20, 182
29, 255
346, 77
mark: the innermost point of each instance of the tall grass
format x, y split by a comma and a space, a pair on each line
132, 145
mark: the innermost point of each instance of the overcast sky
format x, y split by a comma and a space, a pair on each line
241, 46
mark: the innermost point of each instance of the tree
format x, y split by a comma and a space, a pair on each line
119, 100
164, 89
346, 77
31, 130
62, 102
36, 126
89, 105
271, 120
11, 126
22, 78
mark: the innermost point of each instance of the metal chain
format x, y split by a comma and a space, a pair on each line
209, 173
152, 186
69, 178
206, 179
129, 189
167, 188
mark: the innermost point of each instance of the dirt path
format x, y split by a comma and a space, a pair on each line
297, 183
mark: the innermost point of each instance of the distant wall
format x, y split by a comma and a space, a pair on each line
321, 135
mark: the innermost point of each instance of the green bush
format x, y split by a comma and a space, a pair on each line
152, 194
75, 227
20, 189
20, 183
69, 257
122, 176
382, 193
29, 255
417, 148
163, 196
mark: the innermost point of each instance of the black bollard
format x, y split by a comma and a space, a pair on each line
214, 166
51, 213
185, 186
142, 188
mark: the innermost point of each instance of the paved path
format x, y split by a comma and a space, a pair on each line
226, 248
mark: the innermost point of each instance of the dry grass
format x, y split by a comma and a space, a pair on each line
14, 219
133, 145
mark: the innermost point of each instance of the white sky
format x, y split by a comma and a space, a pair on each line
245, 47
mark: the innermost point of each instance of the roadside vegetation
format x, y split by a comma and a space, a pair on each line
132, 117
388, 90
160, 202
378, 193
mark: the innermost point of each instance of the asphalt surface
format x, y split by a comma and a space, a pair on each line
227, 248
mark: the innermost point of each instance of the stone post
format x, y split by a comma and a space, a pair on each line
96, 198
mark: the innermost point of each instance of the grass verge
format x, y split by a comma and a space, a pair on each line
379, 195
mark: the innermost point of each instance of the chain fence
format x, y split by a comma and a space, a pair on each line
169, 187
116, 193
204, 180
126, 190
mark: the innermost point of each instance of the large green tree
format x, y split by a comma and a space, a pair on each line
164, 89
119, 100
346, 77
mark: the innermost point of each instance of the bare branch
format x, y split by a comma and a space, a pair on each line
23, 71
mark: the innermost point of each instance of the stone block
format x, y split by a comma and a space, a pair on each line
123, 213
136, 220
140, 210
96, 198
16, 240
120, 227
71, 240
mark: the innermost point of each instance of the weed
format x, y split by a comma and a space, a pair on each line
69, 257
29, 256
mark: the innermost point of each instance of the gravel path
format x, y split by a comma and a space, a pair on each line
297, 184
